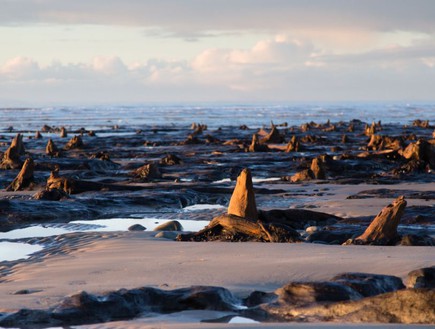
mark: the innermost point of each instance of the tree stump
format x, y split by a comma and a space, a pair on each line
11, 157
242, 202
74, 143
51, 149
147, 172
256, 146
383, 229
24, 178
241, 223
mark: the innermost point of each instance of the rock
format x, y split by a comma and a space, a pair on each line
256, 146
402, 306
312, 229
24, 178
11, 157
370, 284
421, 278
170, 235
51, 149
74, 143
171, 225
417, 240
305, 293
297, 218
147, 172
259, 297
330, 237
242, 202
52, 194
137, 227
383, 229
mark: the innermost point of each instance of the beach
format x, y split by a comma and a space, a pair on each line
179, 173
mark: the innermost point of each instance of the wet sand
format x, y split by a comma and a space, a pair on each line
98, 262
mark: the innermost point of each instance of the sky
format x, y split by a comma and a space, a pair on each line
83, 52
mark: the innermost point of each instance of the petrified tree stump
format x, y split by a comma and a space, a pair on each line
51, 149
272, 137
74, 143
63, 132
242, 202
147, 172
256, 146
383, 229
241, 222
293, 145
11, 158
24, 178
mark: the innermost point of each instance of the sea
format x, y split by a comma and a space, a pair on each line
253, 116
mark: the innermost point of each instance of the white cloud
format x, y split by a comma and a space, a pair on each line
111, 65
19, 68
280, 69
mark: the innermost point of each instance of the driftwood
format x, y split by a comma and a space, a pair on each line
383, 229
24, 178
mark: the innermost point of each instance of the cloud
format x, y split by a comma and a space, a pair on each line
280, 69
196, 16
19, 68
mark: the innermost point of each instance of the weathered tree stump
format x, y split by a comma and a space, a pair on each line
272, 137
242, 223
63, 132
242, 202
147, 172
293, 145
51, 149
11, 157
256, 146
24, 178
383, 229
74, 143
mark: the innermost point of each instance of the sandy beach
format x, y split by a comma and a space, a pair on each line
315, 202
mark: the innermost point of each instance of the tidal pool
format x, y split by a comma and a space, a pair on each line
16, 250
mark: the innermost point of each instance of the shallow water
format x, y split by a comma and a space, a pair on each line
254, 116
16, 250
100, 225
